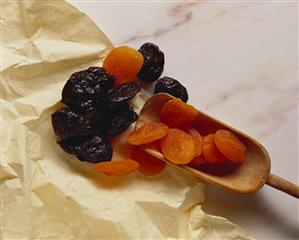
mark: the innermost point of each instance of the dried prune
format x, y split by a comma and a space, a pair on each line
121, 94
172, 87
119, 119
86, 88
67, 123
95, 117
72, 145
92, 149
153, 62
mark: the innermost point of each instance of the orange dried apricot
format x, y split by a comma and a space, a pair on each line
123, 63
148, 165
177, 114
198, 160
148, 133
230, 146
156, 145
178, 147
197, 139
210, 150
117, 167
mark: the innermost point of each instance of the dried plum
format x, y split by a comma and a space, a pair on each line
85, 88
172, 87
67, 123
72, 145
95, 117
119, 119
153, 62
121, 94
92, 149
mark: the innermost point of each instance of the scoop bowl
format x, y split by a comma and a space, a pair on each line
248, 177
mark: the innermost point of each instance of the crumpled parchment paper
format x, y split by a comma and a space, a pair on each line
47, 194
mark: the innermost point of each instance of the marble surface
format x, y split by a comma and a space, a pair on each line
239, 61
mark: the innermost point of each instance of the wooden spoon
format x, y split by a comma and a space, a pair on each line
246, 178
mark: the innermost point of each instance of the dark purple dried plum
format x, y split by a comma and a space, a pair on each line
92, 149
119, 119
85, 88
95, 117
121, 94
172, 87
67, 123
153, 62
72, 145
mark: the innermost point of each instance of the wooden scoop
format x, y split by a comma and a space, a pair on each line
246, 178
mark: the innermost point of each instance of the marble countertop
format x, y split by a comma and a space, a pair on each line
239, 62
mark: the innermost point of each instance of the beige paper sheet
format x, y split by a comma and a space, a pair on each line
47, 194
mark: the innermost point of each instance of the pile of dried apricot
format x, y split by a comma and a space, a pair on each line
180, 143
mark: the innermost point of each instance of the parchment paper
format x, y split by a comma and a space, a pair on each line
47, 194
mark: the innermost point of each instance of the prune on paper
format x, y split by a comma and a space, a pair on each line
153, 62
172, 87
72, 145
85, 88
121, 94
92, 149
119, 119
67, 123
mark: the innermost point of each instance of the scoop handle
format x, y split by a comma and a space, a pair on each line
283, 185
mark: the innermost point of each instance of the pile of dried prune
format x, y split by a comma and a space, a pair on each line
95, 111
152, 69
97, 100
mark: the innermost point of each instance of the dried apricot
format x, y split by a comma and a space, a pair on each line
177, 114
117, 167
198, 160
148, 133
197, 139
178, 147
210, 150
230, 146
156, 145
123, 63
148, 165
